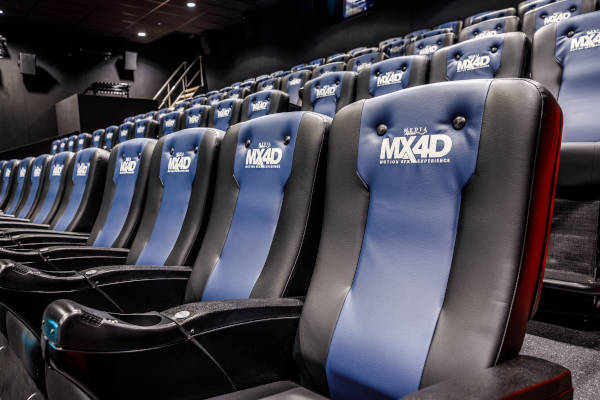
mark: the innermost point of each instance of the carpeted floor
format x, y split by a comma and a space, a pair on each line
577, 350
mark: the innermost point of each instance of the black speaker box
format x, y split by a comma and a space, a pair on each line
130, 61
27, 63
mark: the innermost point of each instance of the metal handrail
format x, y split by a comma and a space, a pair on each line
182, 65
182, 81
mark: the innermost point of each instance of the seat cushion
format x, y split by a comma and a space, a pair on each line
273, 391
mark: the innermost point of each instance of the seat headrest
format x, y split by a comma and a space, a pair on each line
506, 12
83, 141
279, 74
353, 52
555, 12
98, 138
210, 93
338, 57
146, 128
391, 75
263, 103
225, 89
317, 61
329, 67
261, 78
196, 116
329, 92
129, 119
198, 100
214, 98
225, 113
292, 83
385, 42
527, 6
140, 116
268, 84
455, 26
434, 32
126, 131
429, 45
170, 123
238, 93
54, 147
182, 106
415, 34
62, 145
491, 27
394, 48
363, 61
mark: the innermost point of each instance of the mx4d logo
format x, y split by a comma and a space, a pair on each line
265, 156
193, 119
425, 51
473, 62
7, 172
140, 129
415, 147
260, 105
223, 113
37, 171
127, 166
82, 169
557, 17
488, 33
179, 163
588, 41
390, 78
57, 169
295, 82
22, 172
169, 123
363, 66
325, 91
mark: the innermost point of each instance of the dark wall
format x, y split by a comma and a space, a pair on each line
68, 64
294, 34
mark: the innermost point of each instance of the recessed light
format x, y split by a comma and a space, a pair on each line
191, 4
1, 12
141, 34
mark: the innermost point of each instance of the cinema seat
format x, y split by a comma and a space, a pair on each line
173, 221
126, 131
455, 26
8, 181
435, 32
555, 12
337, 57
62, 145
490, 27
84, 140
486, 15
392, 75
54, 147
329, 93
526, 6
172, 122
279, 74
97, 138
364, 329
182, 106
72, 143
500, 56
330, 67
33, 187
198, 100
272, 83
360, 51
147, 127
17, 195
429, 45
196, 116
238, 93
292, 83
214, 98
414, 35
317, 61
394, 48
360, 62
565, 59
263, 103
111, 137
149, 114
225, 113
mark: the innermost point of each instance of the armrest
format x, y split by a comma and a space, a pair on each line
24, 225
12, 218
522, 377
194, 343
38, 240
27, 291
69, 258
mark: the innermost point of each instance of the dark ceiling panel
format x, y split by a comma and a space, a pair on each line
125, 18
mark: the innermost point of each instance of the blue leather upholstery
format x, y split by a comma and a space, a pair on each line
492, 14
475, 59
169, 122
260, 104
216, 91
556, 12
294, 82
195, 115
7, 172
81, 141
198, 100
181, 107
141, 116
248, 83
109, 136
161, 113
35, 178
98, 138
261, 171
317, 61
385, 42
363, 61
394, 48
125, 131
415, 34
79, 177
390, 75
490, 27
55, 173
268, 84
579, 56
532, 5
434, 32
452, 25
429, 45
325, 93
71, 143
261, 78
214, 98
141, 127
125, 178
225, 89
337, 57
415, 173
235, 85
223, 114
327, 68
177, 173
237, 93
62, 145
129, 119
22, 168
279, 74
353, 52
54, 147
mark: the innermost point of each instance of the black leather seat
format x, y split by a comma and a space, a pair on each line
329, 67
84, 140
329, 93
225, 113
429, 264
147, 127
263, 103
54, 147
97, 138
555, 12
171, 122
292, 83
362, 61
430, 44
18, 194
487, 15
196, 116
9, 177
490, 27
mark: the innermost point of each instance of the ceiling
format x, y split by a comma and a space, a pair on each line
125, 18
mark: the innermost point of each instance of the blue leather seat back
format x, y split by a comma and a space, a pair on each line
198, 100
71, 142
235, 85
268, 84
7, 175
578, 52
415, 34
79, 177
493, 14
237, 93
364, 61
435, 32
248, 83
129, 119
177, 173
223, 114
225, 90
125, 177
195, 115
83, 141
325, 93
35, 179
214, 98
170, 122
490, 27
385, 42
216, 91
394, 48
141, 127
279, 74
475, 59
556, 12
259, 104
429, 45
532, 5
454, 26
181, 107
262, 167
97, 138
317, 61
55, 174
125, 131
109, 136
415, 173
150, 114
353, 52
261, 78
338, 57
327, 68
22, 169
389, 76
62, 145
54, 147
294, 82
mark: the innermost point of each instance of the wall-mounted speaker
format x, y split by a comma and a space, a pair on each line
130, 61
27, 63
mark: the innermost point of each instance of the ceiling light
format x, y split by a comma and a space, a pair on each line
1, 12
191, 4
141, 34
